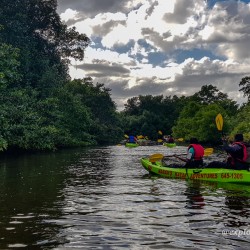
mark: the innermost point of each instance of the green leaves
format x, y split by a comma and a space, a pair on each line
9, 64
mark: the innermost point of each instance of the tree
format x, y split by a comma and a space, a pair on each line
198, 121
9, 64
241, 123
132, 106
209, 94
105, 124
245, 87
45, 43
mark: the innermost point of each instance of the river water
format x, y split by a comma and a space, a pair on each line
102, 198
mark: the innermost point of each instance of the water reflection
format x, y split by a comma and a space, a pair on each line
195, 199
102, 198
236, 212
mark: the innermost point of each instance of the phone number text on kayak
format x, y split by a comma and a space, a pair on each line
201, 175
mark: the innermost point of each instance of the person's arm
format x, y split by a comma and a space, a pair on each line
190, 155
232, 149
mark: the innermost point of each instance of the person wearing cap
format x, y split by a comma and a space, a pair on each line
237, 155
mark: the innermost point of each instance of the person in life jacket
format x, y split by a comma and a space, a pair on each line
132, 139
194, 157
195, 154
238, 156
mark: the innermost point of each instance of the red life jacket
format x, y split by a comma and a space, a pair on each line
198, 151
245, 154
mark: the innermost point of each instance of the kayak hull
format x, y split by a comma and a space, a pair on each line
131, 145
206, 174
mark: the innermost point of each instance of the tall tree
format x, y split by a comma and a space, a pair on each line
44, 41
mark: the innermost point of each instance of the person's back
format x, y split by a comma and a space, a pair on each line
170, 139
194, 157
237, 153
195, 154
132, 139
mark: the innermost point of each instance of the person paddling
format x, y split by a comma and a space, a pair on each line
132, 139
195, 154
194, 157
238, 157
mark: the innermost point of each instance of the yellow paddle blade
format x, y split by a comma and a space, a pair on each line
180, 139
208, 151
126, 136
159, 140
156, 157
160, 132
219, 122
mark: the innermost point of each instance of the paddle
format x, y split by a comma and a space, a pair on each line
180, 139
219, 122
208, 151
158, 157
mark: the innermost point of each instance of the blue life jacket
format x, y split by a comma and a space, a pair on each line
131, 139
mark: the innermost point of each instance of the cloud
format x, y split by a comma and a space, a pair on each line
162, 47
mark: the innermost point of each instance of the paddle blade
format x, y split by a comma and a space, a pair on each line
159, 140
219, 122
126, 136
208, 151
160, 132
180, 139
156, 157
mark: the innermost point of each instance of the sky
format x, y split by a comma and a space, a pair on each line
162, 47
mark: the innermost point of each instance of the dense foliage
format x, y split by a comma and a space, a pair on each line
186, 117
42, 109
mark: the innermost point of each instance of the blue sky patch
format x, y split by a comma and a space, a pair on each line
197, 54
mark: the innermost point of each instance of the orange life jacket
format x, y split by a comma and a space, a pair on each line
198, 151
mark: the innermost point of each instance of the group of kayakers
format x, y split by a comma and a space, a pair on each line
166, 138
238, 156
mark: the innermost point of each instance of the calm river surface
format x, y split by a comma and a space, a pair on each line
102, 198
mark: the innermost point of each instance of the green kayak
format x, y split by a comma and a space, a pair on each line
206, 174
170, 145
131, 145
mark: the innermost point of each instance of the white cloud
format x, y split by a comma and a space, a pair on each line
69, 14
131, 31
